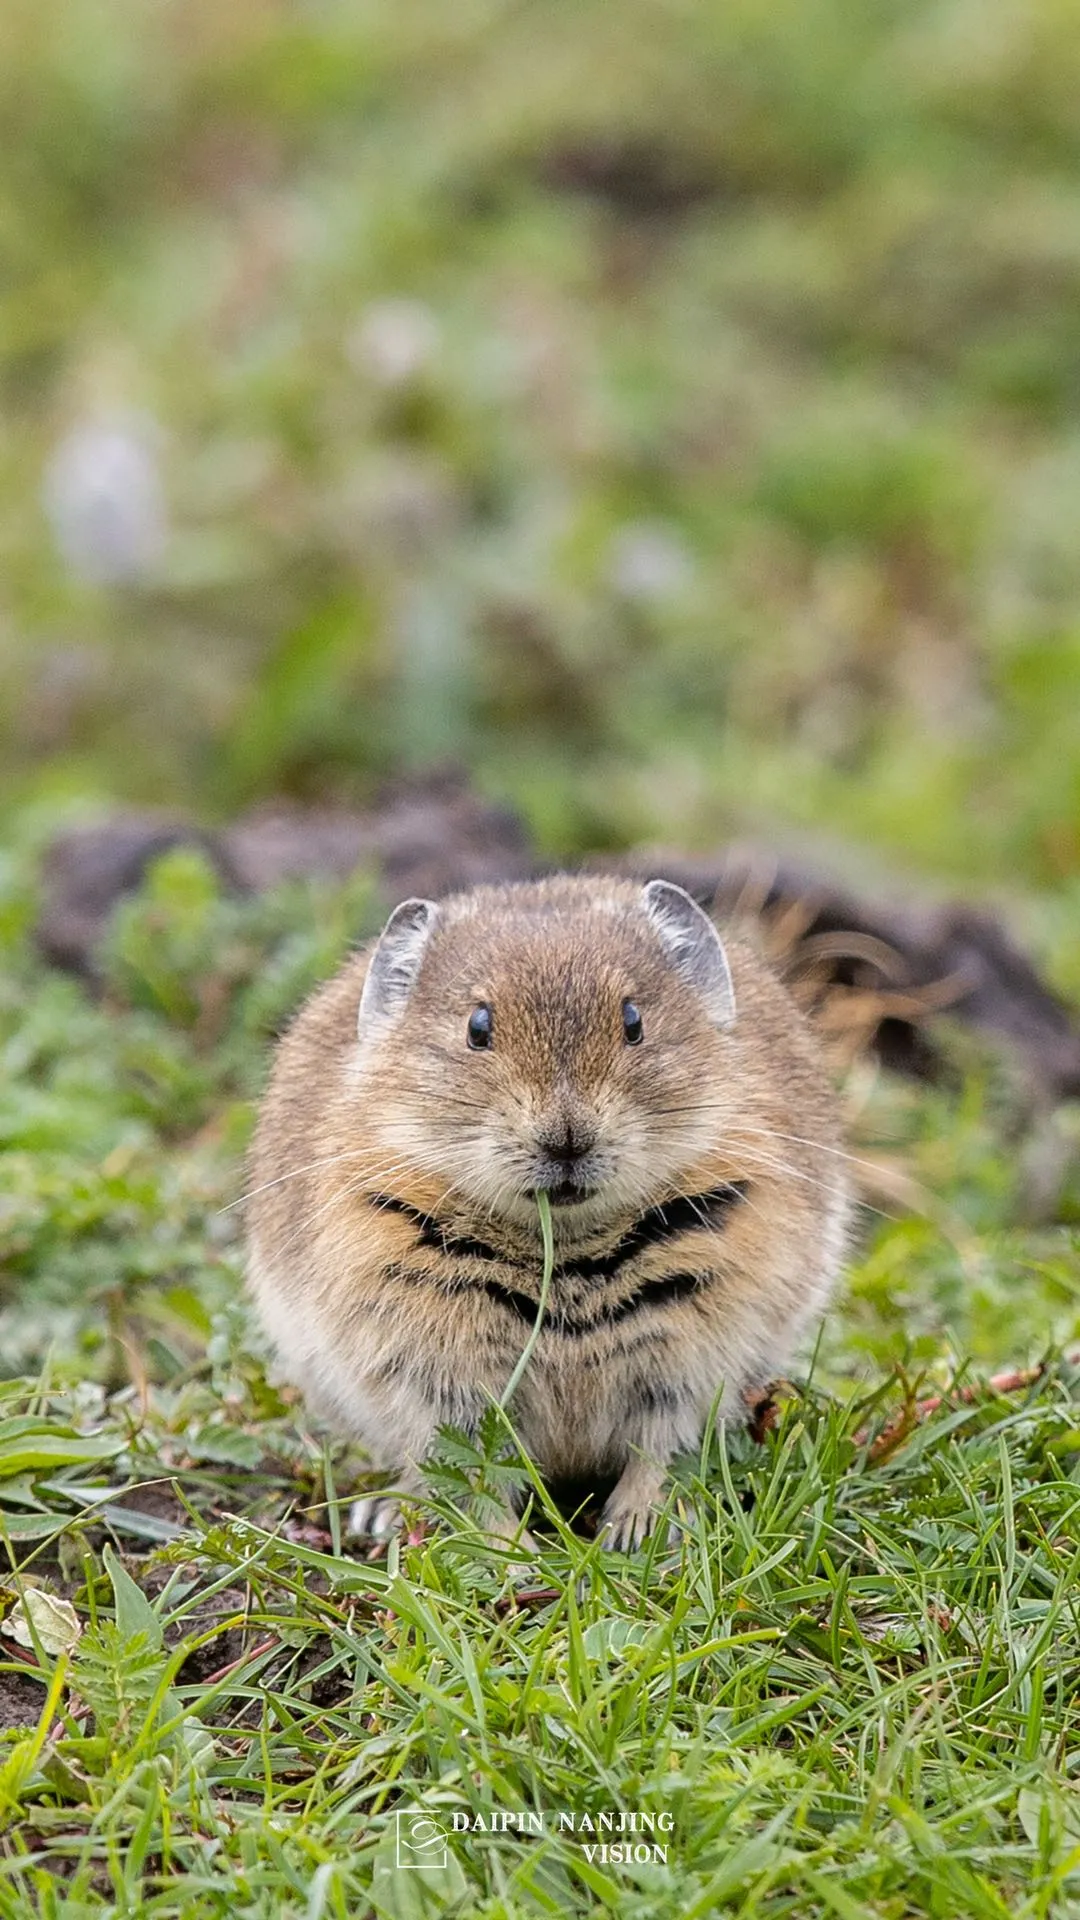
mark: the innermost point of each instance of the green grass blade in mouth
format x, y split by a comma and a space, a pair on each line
543, 1208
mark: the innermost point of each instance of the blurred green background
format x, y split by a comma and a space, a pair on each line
673, 417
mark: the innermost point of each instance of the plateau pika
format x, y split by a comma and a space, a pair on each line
587, 1037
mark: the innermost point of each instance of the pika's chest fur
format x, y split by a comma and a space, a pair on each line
422, 1326
623, 1329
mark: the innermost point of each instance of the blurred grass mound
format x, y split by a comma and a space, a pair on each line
676, 419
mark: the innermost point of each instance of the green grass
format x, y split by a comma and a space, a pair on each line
851, 1689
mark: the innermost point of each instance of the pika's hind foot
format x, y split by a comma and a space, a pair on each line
377, 1516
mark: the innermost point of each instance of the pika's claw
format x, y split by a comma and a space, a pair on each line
630, 1513
623, 1528
376, 1517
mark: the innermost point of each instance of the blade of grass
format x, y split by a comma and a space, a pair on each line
543, 1208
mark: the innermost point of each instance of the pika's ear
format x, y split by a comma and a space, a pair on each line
693, 946
395, 963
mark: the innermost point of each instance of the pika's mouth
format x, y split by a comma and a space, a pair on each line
569, 1180
567, 1193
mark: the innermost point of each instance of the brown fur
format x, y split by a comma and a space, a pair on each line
394, 1239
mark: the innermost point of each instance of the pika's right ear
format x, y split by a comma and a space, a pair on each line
693, 945
395, 963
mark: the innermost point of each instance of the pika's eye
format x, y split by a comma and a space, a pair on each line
632, 1027
479, 1028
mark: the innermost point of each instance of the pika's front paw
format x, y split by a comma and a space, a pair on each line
626, 1521
624, 1532
376, 1517
630, 1513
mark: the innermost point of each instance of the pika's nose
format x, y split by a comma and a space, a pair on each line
567, 1142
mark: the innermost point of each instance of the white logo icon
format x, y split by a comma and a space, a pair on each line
421, 1842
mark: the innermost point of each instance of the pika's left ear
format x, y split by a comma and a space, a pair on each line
693, 946
395, 963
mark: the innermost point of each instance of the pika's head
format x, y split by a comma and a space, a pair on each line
568, 1035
